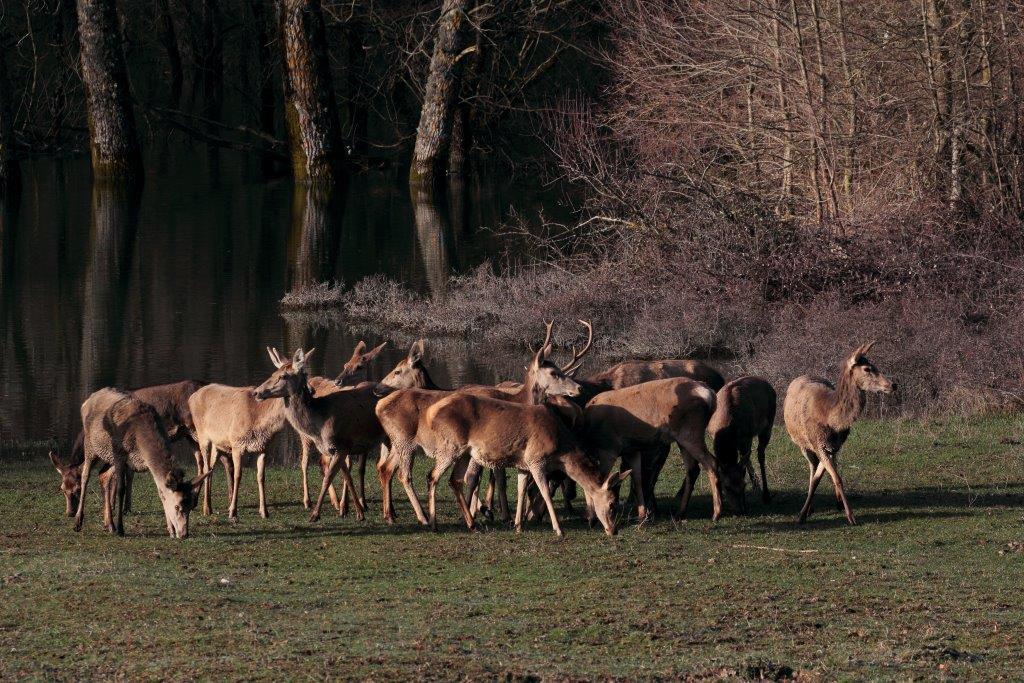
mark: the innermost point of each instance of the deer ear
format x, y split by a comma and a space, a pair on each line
372, 353
360, 347
199, 479
615, 478
416, 351
56, 462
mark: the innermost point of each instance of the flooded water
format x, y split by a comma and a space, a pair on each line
105, 287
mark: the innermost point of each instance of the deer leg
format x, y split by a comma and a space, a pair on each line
815, 469
521, 483
472, 479
540, 476
209, 455
335, 503
261, 480
330, 466
839, 499
108, 493
343, 498
87, 463
129, 479
443, 460
501, 484
699, 452
457, 481
405, 476
383, 457
304, 465
361, 459
837, 482
568, 494
657, 463
237, 454
385, 472
689, 481
637, 487
762, 445
119, 491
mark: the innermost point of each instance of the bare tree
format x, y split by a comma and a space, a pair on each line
8, 166
311, 114
113, 140
450, 48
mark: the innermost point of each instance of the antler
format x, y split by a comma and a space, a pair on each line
541, 353
275, 356
577, 356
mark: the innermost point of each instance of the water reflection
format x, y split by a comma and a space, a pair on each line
110, 286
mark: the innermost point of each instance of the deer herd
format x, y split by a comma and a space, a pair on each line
555, 429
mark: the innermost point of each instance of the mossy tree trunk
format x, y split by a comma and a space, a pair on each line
8, 166
439, 103
112, 137
311, 114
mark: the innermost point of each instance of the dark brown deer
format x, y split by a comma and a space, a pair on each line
339, 425
126, 433
171, 404
745, 411
819, 414
473, 432
402, 416
636, 420
71, 485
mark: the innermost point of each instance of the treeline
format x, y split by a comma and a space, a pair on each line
311, 86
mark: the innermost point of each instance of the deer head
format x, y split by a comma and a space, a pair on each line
289, 378
357, 363
603, 501
734, 485
70, 484
179, 497
410, 371
547, 379
863, 373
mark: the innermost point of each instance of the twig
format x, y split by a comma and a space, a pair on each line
780, 550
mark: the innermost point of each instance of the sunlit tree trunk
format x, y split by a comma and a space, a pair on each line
8, 166
311, 114
446, 65
113, 140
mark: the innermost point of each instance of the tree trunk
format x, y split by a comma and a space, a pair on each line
8, 166
311, 115
113, 141
265, 78
169, 39
434, 132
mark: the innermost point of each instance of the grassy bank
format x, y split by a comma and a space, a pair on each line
928, 584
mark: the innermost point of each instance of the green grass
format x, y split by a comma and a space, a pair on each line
928, 584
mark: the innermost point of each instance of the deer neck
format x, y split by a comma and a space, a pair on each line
153, 448
300, 410
428, 381
530, 394
582, 470
847, 403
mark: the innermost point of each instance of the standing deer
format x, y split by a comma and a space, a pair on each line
229, 420
126, 433
637, 420
171, 404
473, 432
339, 425
819, 414
745, 410
402, 415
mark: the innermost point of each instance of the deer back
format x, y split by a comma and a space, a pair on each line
745, 407
647, 413
630, 373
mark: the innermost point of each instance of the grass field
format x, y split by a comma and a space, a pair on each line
928, 585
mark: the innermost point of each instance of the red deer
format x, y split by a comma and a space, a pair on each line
818, 417
229, 420
746, 409
639, 419
402, 415
171, 404
339, 424
126, 433
71, 485
493, 433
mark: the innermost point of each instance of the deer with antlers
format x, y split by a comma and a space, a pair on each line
403, 413
472, 432
819, 415
126, 433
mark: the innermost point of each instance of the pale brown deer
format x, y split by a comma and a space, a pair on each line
339, 425
819, 414
402, 415
745, 411
171, 404
637, 420
126, 433
473, 432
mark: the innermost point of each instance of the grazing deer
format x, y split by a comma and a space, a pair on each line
639, 419
340, 424
171, 404
819, 414
745, 410
71, 485
402, 415
126, 433
473, 432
